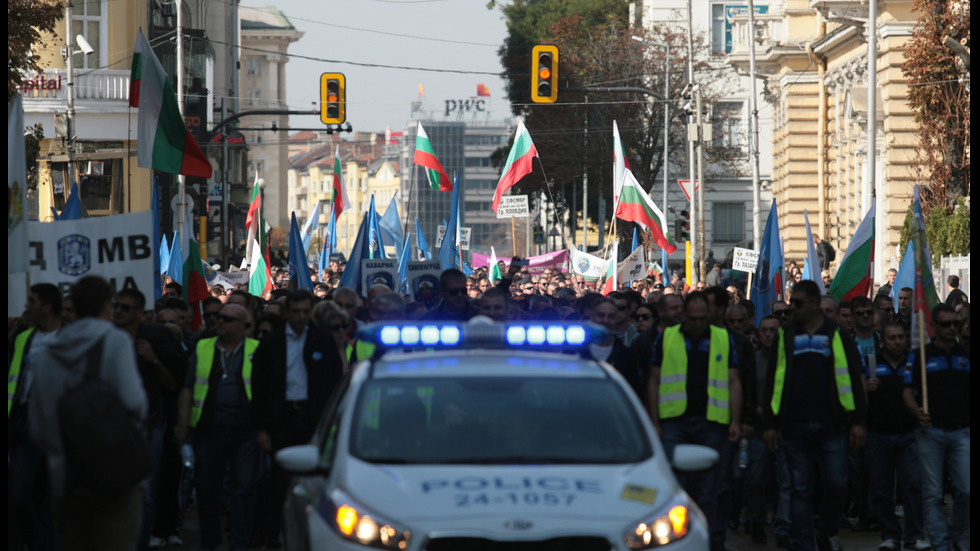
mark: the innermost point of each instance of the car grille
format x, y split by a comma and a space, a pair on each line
555, 544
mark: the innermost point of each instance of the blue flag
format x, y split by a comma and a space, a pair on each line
767, 285
158, 263
164, 255
421, 245
391, 227
376, 246
299, 270
352, 273
403, 265
176, 267
329, 242
906, 275
312, 224
811, 264
73, 206
449, 251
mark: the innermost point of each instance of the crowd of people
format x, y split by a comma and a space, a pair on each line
820, 412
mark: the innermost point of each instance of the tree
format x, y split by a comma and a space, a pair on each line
26, 21
939, 94
948, 234
573, 136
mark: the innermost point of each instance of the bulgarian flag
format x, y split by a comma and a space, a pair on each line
426, 157
195, 284
340, 200
636, 206
853, 277
925, 297
257, 254
495, 274
612, 270
620, 164
519, 163
164, 143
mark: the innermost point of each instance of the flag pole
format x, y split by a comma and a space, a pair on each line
513, 235
922, 365
551, 196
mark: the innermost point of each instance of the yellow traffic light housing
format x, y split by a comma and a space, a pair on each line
544, 73
333, 98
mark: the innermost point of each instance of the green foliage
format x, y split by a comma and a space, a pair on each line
26, 21
948, 233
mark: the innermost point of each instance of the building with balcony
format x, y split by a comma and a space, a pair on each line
814, 55
728, 219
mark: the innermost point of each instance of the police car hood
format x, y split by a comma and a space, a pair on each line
414, 492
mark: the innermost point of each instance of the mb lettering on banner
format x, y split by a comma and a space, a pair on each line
118, 248
745, 260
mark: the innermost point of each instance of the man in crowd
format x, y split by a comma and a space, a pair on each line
695, 397
27, 476
955, 296
217, 403
453, 304
891, 451
295, 373
941, 403
886, 289
904, 313
814, 400
83, 521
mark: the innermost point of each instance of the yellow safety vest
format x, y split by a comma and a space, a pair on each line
842, 375
13, 374
202, 375
673, 376
364, 349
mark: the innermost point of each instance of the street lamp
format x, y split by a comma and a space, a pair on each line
666, 46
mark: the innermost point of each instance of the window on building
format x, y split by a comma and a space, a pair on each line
728, 222
718, 30
88, 20
254, 66
255, 98
729, 124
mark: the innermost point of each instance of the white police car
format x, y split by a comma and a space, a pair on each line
489, 436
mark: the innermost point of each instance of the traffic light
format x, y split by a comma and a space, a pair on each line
333, 98
682, 226
544, 73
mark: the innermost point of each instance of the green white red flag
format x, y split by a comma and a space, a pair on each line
339, 198
164, 143
495, 274
620, 164
256, 252
636, 206
853, 277
425, 156
519, 163
925, 297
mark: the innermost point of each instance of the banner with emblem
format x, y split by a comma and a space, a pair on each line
118, 248
423, 281
379, 270
589, 266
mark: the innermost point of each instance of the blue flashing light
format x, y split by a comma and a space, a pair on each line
410, 335
390, 335
450, 335
516, 335
429, 335
536, 334
556, 335
575, 335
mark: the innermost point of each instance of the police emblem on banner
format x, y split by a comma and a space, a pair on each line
74, 255
583, 265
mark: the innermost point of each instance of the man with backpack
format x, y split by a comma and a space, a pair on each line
95, 470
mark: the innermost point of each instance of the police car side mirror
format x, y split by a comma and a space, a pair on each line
690, 458
299, 459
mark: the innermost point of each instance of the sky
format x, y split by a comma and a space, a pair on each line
447, 35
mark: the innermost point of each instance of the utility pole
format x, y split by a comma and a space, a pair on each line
692, 278
699, 191
70, 115
754, 136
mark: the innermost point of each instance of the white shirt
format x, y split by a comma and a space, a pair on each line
295, 369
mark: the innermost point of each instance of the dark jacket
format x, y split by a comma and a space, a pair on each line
842, 418
323, 372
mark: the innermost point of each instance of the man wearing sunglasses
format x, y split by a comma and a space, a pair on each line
453, 304
217, 403
943, 435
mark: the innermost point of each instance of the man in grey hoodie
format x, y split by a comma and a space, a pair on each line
84, 521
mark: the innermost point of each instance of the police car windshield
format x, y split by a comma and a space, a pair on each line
497, 420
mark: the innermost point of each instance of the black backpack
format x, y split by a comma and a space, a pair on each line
105, 453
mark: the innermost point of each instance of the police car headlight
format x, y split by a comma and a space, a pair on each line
358, 524
666, 526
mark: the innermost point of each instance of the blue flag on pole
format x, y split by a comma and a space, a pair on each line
312, 224
352, 273
299, 270
811, 264
403, 265
449, 252
767, 284
421, 245
164, 255
906, 275
376, 245
176, 267
329, 242
73, 206
391, 227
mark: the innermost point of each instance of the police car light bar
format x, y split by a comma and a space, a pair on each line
481, 332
